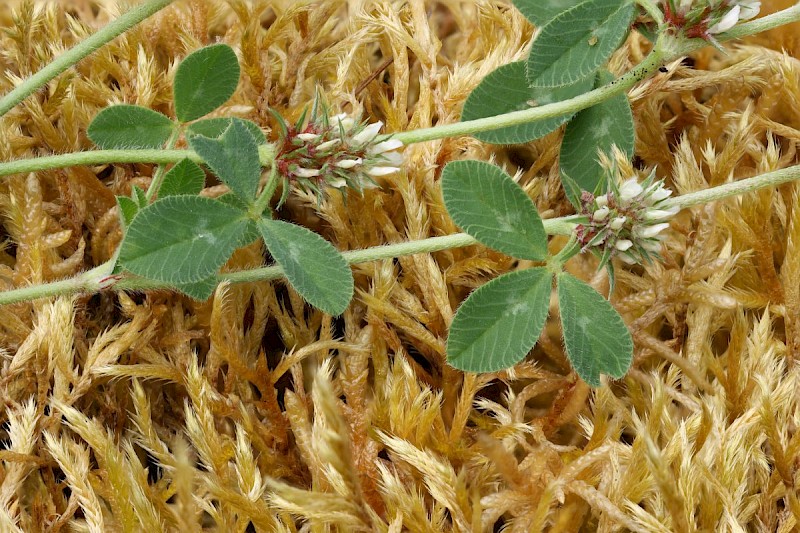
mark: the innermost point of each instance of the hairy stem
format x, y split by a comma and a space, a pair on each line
736, 188
79, 51
102, 157
666, 49
90, 281
262, 202
97, 157
158, 176
640, 72
95, 279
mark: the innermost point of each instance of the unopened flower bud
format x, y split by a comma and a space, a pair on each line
386, 146
630, 189
348, 163
647, 232
343, 120
750, 9
376, 172
306, 172
308, 136
660, 193
652, 246
617, 223
623, 244
328, 144
727, 22
367, 134
660, 214
601, 214
394, 159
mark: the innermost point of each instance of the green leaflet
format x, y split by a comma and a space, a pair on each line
315, 269
499, 323
486, 203
199, 290
505, 90
205, 80
596, 338
214, 127
128, 127
594, 130
542, 11
233, 157
575, 43
139, 196
183, 178
127, 210
183, 239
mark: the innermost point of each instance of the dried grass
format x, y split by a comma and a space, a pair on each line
253, 412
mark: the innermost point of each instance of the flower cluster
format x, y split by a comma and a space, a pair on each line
706, 18
334, 151
626, 222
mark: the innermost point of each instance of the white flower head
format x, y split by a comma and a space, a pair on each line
337, 151
628, 221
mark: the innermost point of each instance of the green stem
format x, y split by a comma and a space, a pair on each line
653, 10
158, 176
736, 188
572, 248
102, 157
91, 280
262, 202
573, 105
666, 49
96, 157
79, 51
